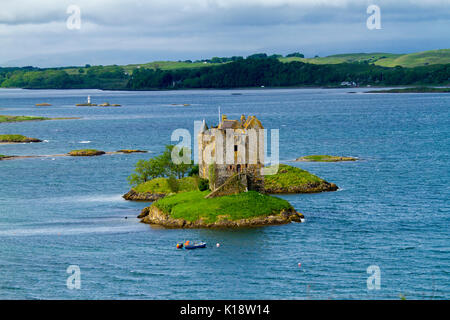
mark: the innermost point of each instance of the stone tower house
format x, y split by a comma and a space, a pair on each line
235, 148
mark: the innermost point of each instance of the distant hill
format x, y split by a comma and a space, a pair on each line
410, 60
359, 69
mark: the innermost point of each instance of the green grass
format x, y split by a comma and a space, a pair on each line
2, 156
343, 58
289, 176
192, 206
4, 118
168, 65
86, 152
16, 138
161, 185
325, 158
410, 60
417, 59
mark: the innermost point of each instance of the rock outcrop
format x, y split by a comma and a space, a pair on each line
143, 196
312, 187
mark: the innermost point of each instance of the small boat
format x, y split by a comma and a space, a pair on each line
189, 246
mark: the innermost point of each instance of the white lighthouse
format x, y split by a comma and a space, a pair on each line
89, 100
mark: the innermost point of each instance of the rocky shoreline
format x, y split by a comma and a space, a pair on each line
154, 216
142, 196
322, 186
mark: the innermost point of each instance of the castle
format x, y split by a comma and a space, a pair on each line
235, 148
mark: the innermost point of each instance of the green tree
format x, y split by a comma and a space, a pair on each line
160, 166
146, 170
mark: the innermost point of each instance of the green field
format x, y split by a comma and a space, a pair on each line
410, 60
192, 206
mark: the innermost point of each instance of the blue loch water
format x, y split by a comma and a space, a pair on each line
392, 209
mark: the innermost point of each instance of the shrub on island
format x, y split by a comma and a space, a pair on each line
86, 153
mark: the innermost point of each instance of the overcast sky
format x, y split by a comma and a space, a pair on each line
35, 32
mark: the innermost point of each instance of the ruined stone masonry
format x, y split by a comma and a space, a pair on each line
234, 147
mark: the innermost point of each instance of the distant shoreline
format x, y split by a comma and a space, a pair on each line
385, 89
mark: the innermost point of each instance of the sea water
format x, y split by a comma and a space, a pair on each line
391, 210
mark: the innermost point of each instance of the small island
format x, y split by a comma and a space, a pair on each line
86, 153
43, 104
193, 210
3, 157
158, 188
324, 158
16, 138
216, 195
131, 151
6, 118
290, 179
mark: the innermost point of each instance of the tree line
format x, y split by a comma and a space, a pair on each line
270, 72
254, 71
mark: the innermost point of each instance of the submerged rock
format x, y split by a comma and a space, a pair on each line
131, 151
325, 158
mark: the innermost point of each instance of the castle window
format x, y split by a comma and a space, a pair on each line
235, 147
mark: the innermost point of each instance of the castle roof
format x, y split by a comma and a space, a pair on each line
250, 123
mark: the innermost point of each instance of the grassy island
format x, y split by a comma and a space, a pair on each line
193, 210
325, 158
4, 118
157, 188
16, 138
86, 153
290, 179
